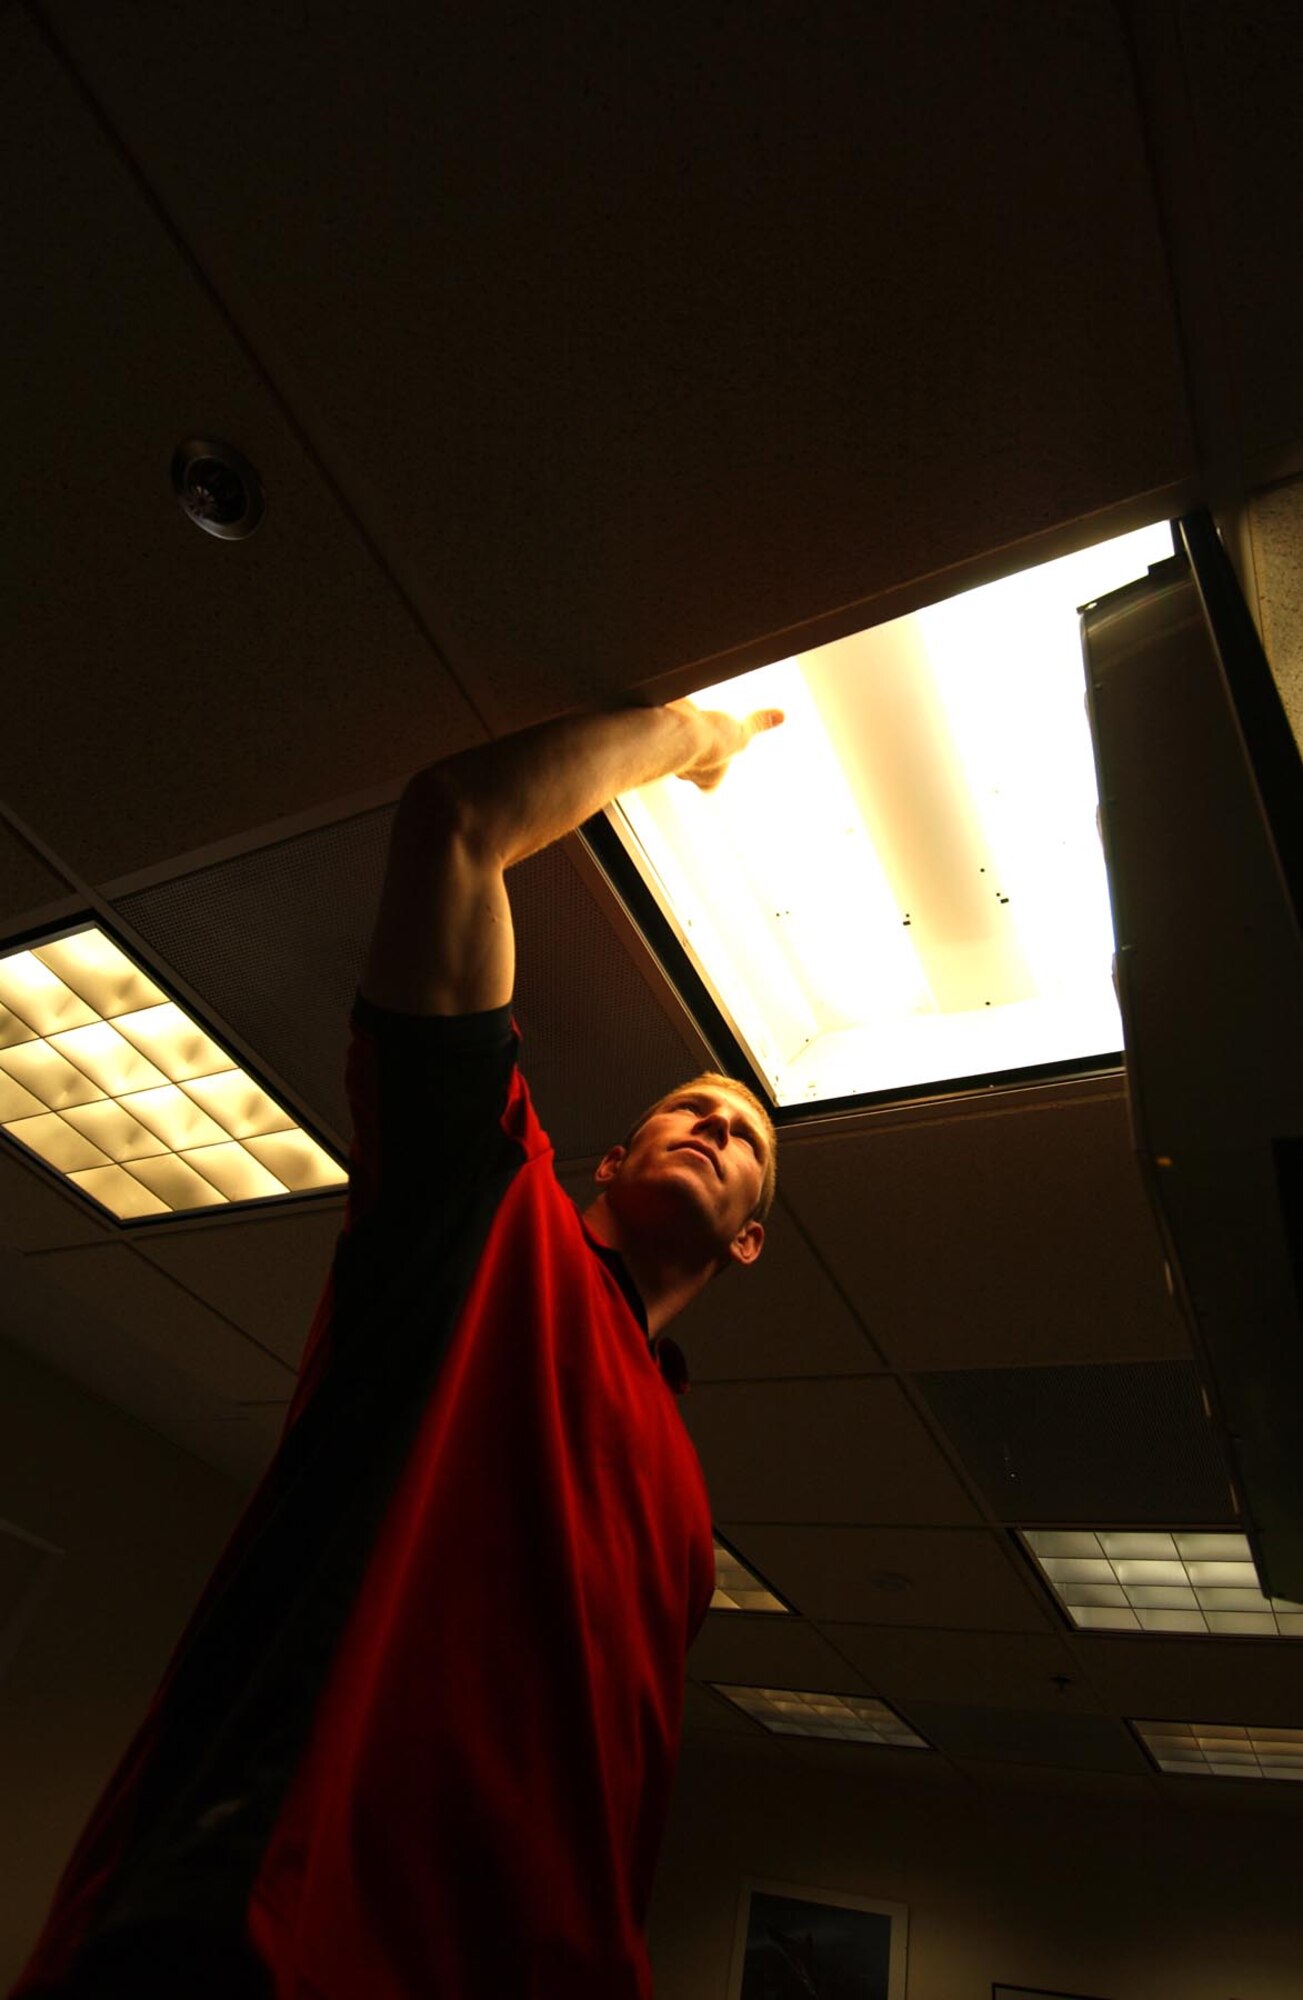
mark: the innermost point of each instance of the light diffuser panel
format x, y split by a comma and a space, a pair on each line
905, 883
1223, 1749
111, 1083
736, 1589
1117, 1581
845, 1718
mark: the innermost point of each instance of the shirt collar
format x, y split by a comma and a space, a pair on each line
666, 1353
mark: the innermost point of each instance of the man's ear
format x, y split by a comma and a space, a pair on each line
609, 1166
748, 1243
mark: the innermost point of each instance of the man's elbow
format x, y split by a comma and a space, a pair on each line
452, 805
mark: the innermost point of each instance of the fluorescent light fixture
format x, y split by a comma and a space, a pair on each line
1223, 1749
107, 1080
737, 1588
845, 1718
905, 884
1110, 1581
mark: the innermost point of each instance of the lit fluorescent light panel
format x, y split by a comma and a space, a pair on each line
737, 1589
107, 1080
1179, 1582
905, 882
1223, 1749
843, 1718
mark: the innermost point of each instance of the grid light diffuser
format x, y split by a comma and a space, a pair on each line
737, 1589
1223, 1749
1179, 1582
904, 883
107, 1080
843, 1718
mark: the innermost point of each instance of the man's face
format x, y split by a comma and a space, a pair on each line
696, 1164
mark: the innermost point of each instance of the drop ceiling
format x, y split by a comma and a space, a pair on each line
581, 362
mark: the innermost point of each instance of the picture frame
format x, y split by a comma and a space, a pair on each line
794, 1941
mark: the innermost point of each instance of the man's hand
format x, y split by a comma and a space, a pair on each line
722, 738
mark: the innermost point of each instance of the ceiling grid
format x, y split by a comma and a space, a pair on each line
676, 384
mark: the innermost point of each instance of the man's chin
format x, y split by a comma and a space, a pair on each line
681, 1197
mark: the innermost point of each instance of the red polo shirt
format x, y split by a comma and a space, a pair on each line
419, 1737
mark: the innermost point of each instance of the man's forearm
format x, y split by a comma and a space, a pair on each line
517, 795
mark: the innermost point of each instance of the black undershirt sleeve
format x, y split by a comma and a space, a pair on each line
427, 1094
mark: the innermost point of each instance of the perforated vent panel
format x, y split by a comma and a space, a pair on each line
1116, 1444
274, 942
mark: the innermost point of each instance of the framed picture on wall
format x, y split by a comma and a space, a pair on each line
999, 1991
798, 1943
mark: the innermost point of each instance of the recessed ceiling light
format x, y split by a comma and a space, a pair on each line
846, 1718
737, 1588
904, 884
217, 488
108, 1081
1223, 1749
1116, 1581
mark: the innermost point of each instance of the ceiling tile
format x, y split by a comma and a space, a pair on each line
760, 1748
994, 1669
848, 1450
770, 1652
241, 1446
618, 343
999, 1238
181, 687
36, 1214
877, 1763
894, 1576
266, 1276
1162, 1679
81, 1339
1241, 65
26, 883
1113, 1445
782, 1317
160, 1315
1108, 1787
1202, 1795
1029, 1736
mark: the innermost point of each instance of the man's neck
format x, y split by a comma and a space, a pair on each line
665, 1284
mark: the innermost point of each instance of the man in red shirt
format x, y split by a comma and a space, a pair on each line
419, 1735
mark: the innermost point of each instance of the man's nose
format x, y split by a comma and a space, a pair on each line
714, 1123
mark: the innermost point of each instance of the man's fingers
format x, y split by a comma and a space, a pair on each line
762, 719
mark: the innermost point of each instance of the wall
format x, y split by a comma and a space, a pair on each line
142, 1524
1077, 1895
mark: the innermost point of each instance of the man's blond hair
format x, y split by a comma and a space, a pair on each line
742, 1090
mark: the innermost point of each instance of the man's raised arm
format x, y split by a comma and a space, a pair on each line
443, 940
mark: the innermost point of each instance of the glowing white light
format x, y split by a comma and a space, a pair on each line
904, 883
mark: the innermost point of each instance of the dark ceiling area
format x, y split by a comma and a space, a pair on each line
583, 352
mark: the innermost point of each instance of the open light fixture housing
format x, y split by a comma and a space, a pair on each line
902, 887
112, 1085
